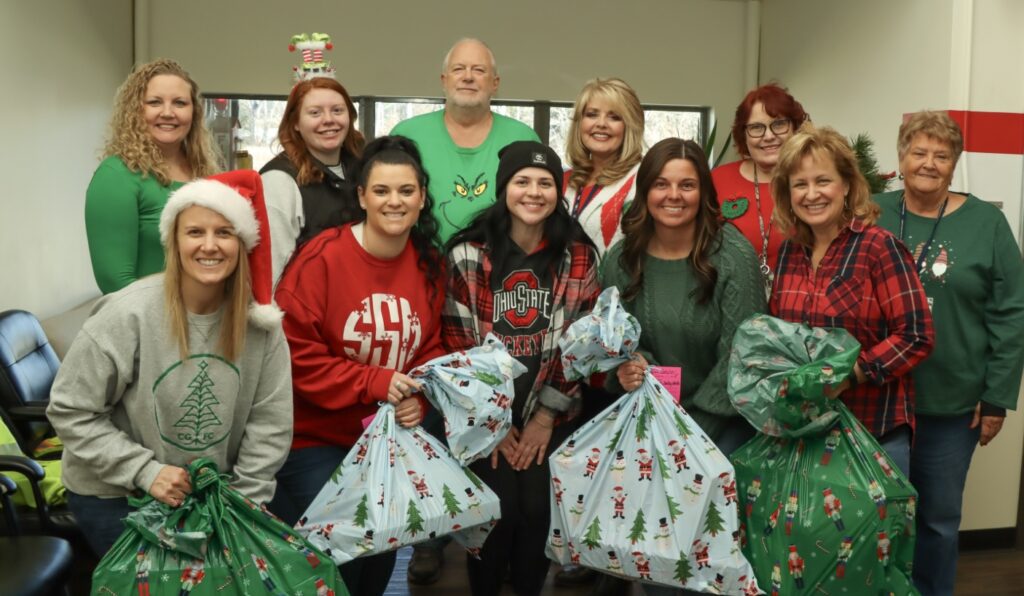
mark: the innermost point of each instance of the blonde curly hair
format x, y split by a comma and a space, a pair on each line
130, 139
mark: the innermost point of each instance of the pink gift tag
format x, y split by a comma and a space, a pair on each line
671, 377
369, 419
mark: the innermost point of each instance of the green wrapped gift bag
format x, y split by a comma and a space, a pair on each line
216, 542
823, 508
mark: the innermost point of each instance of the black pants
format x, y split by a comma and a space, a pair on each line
517, 542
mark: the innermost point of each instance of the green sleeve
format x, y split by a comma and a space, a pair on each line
740, 294
112, 226
1004, 321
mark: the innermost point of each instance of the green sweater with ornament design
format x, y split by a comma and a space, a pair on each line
973, 276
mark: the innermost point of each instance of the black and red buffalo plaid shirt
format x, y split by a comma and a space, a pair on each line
865, 284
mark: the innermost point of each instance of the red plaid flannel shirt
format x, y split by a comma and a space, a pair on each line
469, 303
865, 284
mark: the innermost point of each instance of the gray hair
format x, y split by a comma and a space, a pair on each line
448, 55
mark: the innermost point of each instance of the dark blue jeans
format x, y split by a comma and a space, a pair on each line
943, 447
299, 481
897, 445
99, 519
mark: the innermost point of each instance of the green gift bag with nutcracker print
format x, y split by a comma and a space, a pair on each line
216, 542
824, 510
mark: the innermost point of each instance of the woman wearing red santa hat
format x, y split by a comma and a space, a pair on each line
184, 364
362, 307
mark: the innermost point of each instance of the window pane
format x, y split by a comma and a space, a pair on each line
558, 131
523, 114
255, 129
661, 124
389, 113
658, 124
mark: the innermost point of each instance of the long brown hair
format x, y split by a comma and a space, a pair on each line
293, 144
130, 138
638, 225
237, 295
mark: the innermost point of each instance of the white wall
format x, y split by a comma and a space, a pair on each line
61, 62
672, 51
859, 66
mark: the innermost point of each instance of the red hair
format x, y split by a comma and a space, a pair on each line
291, 141
778, 103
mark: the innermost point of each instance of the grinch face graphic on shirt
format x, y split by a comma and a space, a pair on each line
189, 413
462, 190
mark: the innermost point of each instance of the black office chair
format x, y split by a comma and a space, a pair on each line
28, 366
56, 519
30, 565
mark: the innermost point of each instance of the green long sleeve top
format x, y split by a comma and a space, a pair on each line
677, 331
122, 219
974, 279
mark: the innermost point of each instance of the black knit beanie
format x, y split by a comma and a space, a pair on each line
526, 154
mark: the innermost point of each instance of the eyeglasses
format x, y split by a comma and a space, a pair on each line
778, 126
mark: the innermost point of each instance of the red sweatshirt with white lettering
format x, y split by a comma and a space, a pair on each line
351, 320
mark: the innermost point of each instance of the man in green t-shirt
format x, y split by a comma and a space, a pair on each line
460, 143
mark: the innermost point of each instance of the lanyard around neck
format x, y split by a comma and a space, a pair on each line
766, 270
918, 266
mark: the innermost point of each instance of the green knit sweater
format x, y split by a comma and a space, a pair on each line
677, 331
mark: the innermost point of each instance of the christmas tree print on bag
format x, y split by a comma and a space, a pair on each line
216, 542
473, 390
397, 486
640, 491
825, 511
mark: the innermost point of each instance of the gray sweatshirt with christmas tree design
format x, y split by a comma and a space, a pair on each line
125, 403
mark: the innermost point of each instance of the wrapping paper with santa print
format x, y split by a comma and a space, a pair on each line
824, 509
397, 486
640, 491
779, 372
601, 340
216, 542
473, 390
